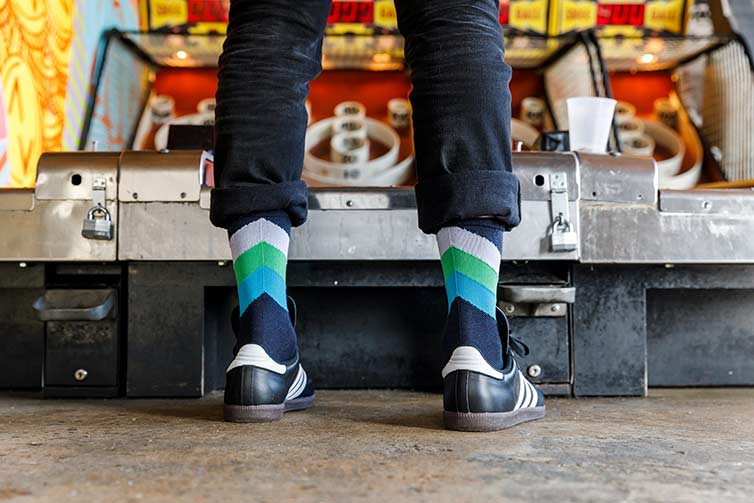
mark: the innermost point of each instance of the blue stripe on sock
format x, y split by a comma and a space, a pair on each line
460, 285
263, 280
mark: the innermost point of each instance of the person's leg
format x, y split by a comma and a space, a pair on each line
467, 195
272, 52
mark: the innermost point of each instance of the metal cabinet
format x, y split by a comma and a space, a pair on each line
81, 341
21, 332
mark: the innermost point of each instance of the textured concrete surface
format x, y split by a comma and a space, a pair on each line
676, 445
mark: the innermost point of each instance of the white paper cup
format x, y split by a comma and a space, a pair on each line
589, 122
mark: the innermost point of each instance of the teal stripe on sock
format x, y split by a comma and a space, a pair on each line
263, 280
459, 285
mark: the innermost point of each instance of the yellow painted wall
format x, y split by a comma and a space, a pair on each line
35, 42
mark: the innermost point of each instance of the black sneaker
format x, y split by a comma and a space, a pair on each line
259, 389
478, 397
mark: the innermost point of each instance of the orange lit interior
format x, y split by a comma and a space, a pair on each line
374, 89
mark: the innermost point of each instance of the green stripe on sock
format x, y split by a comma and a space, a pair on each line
262, 254
455, 260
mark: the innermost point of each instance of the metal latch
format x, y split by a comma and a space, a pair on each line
563, 237
98, 223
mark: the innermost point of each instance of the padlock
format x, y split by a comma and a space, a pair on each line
98, 224
563, 236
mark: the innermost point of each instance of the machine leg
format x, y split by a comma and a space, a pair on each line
609, 332
166, 327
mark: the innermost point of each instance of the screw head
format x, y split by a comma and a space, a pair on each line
534, 371
509, 308
80, 374
554, 308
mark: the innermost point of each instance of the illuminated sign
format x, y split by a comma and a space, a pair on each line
620, 14
207, 11
360, 11
619, 17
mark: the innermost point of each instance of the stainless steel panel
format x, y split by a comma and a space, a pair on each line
531, 240
70, 175
52, 232
205, 197
171, 231
537, 293
724, 202
17, 199
365, 199
631, 234
618, 178
362, 235
160, 176
533, 170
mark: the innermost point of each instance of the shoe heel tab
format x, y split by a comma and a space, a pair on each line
254, 355
469, 358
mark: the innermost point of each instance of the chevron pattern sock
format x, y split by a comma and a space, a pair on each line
260, 256
470, 254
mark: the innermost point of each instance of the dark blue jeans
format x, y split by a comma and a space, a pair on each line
460, 100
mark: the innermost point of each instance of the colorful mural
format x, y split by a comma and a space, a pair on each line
46, 52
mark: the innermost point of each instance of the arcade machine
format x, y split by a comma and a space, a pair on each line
589, 278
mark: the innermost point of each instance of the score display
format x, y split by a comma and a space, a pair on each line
614, 18
620, 14
207, 11
355, 11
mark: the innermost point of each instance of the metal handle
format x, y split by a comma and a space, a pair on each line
74, 305
537, 294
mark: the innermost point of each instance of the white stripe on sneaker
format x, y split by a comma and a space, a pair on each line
520, 393
299, 383
534, 397
254, 354
527, 395
469, 358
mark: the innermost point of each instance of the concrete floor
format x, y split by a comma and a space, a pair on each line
386, 446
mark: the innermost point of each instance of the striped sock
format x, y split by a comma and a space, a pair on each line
470, 255
260, 258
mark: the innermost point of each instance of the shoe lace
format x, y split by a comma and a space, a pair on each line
504, 329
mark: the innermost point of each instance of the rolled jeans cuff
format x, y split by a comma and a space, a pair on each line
445, 199
231, 203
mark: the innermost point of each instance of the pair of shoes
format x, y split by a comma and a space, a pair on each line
477, 397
